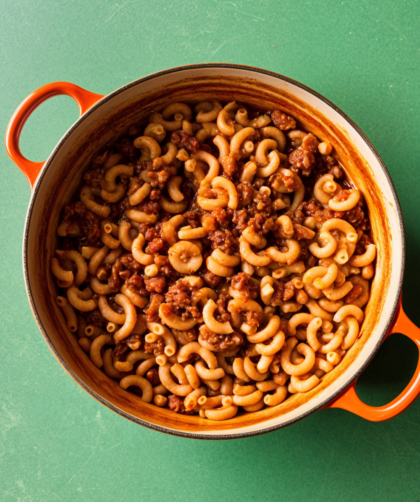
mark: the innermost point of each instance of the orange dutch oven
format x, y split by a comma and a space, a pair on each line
103, 118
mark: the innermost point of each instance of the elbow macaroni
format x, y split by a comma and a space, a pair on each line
221, 270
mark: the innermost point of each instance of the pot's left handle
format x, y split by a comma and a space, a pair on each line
83, 98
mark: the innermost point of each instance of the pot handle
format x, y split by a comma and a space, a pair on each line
349, 400
83, 98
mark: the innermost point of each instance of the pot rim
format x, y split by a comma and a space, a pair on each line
104, 401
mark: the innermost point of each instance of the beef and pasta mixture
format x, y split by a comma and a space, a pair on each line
216, 260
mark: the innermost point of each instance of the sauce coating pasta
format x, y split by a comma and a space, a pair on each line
218, 263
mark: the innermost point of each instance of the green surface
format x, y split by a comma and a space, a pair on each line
56, 442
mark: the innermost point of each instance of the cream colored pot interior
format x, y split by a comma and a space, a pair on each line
110, 119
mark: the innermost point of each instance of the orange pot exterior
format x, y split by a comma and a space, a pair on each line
347, 400
83, 98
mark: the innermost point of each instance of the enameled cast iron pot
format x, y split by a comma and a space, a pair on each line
106, 117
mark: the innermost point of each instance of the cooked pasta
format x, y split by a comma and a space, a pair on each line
216, 260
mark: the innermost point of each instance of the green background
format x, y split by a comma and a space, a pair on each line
56, 442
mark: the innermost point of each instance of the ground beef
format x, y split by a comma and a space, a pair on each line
301, 232
304, 250
155, 284
149, 206
114, 280
330, 162
154, 194
218, 218
208, 193
354, 294
211, 279
245, 194
342, 195
95, 318
289, 291
161, 261
165, 267
220, 342
302, 159
281, 377
240, 218
158, 179
182, 139
120, 349
125, 275
156, 245
132, 342
223, 216
129, 262
310, 143
143, 165
193, 218
225, 241
314, 208
230, 168
221, 314
136, 284
284, 292
118, 209
126, 147
152, 310
176, 404
93, 177
209, 222
311, 261
135, 184
242, 282
277, 298
357, 218
181, 293
291, 181
252, 318
155, 348
327, 214
260, 224
154, 232
362, 243
263, 205
283, 121
86, 220
309, 208
153, 376
180, 297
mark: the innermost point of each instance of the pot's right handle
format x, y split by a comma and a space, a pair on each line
83, 98
349, 400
